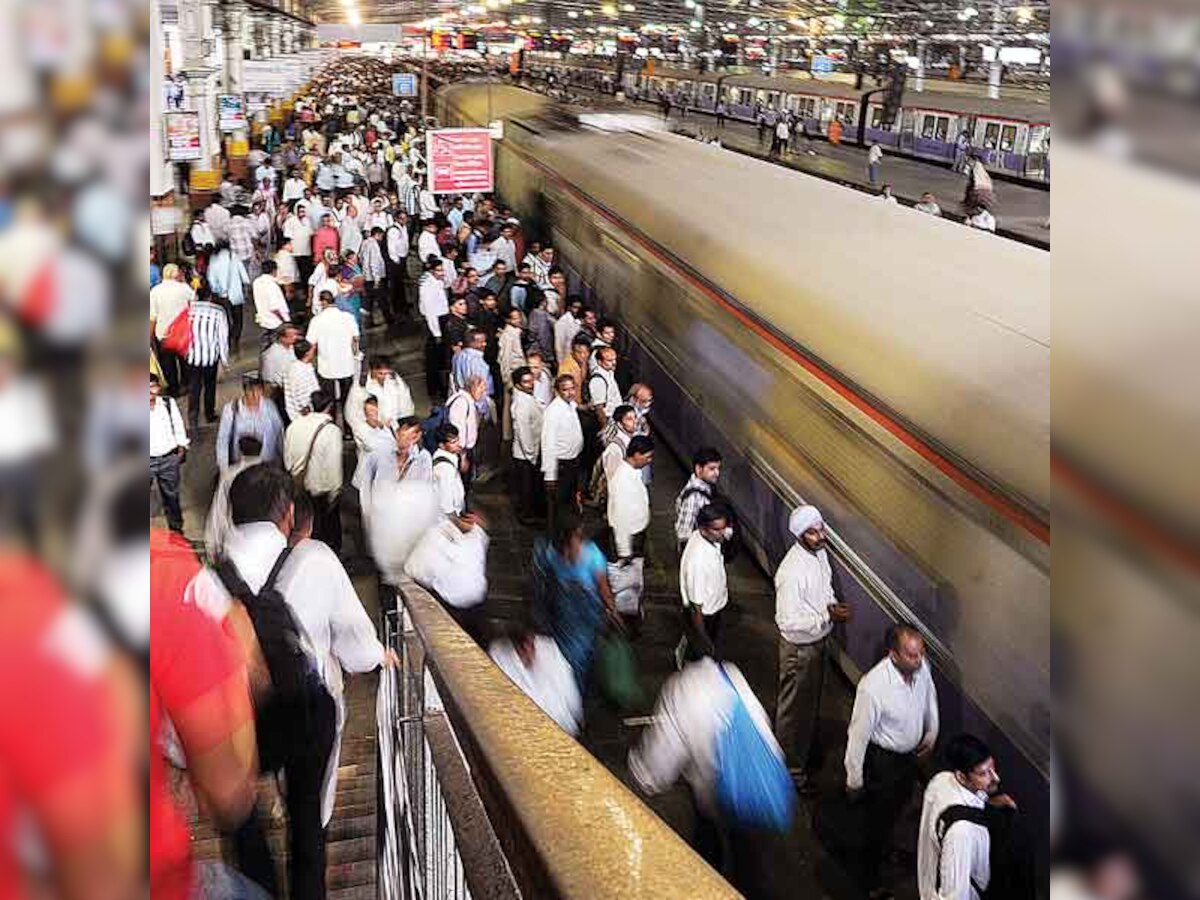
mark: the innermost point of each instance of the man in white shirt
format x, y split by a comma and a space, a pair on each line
703, 585
505, 247
527, 416
566, 328
168, 300
929, 205
895, 721
562, 443
293, 188
287, 273
603, 391
806, 610
447, 477
462, 411
427, 243
391, 393
953, 856
537, 667
274, 362
628, 519
298, 227
312, 453
270, 305
692, 711
168, 446
874, 158
396, 256
334, 332
374, 269
339, 635
433, 305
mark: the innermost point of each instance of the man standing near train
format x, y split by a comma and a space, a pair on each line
806, 609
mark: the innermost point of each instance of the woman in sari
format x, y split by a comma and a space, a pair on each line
571, 594
350, 284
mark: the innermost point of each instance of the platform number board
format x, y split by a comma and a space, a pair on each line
404, 84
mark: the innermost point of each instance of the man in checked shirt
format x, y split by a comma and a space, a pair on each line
696, 494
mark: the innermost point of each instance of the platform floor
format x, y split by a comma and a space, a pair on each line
794, 864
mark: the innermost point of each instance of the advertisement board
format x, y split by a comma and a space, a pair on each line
183, 136
231, 112
404, 84
460, 160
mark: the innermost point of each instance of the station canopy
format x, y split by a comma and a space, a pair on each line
698, 24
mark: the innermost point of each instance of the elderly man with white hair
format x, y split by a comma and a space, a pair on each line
806, 610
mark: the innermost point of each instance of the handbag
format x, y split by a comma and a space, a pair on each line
178, 338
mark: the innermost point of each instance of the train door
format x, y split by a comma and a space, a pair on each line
1037, 158
708, 96
908, 127
773, 100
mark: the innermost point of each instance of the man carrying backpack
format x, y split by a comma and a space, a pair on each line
966, 846
308, 626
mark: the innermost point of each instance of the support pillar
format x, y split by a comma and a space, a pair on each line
234, 25
162, 172
994, 72
196, 25
920, 79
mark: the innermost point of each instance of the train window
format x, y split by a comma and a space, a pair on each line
773, 99
745, 96
1008, 138
877, 117
936, 128
990, 135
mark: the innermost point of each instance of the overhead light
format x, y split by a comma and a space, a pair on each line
628, 7
571, 14
608, 9
354, 18
929, 23
588, 13
695, 23
690, 4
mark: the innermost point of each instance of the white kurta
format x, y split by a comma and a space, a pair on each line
549, 682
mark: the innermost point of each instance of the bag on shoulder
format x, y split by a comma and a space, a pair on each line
753, 787
188, 245
178, 338
438, 416
1011, 854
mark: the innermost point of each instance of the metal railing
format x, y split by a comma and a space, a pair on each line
484, 796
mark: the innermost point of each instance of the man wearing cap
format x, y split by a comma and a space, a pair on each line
806, 610
250, 414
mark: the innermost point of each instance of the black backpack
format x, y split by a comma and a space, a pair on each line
1011, 856
189, 245
295, 682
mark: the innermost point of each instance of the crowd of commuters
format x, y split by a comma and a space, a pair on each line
527, 381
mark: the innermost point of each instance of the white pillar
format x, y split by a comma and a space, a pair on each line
162, 175
234, 29
196, 27
993, 88
920, 80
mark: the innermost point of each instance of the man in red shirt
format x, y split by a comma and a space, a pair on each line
68, 745
198, 682
326, 238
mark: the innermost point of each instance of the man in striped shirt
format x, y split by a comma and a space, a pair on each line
697, 493
209, 350
300, 380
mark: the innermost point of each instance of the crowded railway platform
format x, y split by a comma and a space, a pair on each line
475, 435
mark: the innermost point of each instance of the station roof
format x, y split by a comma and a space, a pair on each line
1006, 22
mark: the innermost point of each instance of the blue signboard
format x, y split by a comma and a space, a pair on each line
404, 84
822, 65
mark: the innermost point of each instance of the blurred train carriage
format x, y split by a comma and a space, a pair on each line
1011, 135
918, 421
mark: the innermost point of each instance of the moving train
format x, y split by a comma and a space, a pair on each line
1011, 135
890, 367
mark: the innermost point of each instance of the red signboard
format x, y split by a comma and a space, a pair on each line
460, 161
